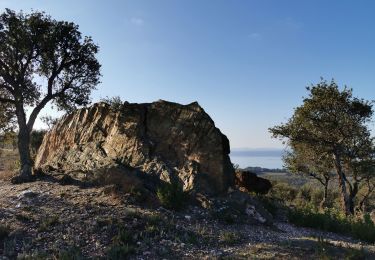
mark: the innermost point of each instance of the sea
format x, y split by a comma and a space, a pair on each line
265, 158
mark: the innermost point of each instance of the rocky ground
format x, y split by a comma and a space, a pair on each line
46, 219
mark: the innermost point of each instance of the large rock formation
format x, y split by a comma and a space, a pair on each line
161, 139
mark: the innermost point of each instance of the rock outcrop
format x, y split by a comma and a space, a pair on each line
165, 140
251, 182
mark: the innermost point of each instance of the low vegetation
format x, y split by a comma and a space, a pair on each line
172, 196
302, 205
4, 232
332, 221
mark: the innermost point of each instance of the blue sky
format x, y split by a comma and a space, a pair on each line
246, 62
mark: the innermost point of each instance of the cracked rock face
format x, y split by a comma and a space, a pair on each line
161, 139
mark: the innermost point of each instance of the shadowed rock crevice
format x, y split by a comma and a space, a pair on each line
162, 139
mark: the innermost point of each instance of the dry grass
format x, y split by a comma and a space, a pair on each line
6, 175
8, 163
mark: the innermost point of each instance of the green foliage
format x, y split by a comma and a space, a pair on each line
36, 139
119, 252
36, 255
271, 205
283, 192
48, 222
115, 102
172, 195
4, 232
308, 195
229, 238
49, 121
123, 237
8, 140
54, 63
333, 221
226, 215
71, 253
122, 245
329, 130
54, 50
7, 111
355, 254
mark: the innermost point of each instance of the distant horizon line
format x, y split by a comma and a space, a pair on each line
257, 152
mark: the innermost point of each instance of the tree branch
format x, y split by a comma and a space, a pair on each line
45, 100
4, 86
7, 100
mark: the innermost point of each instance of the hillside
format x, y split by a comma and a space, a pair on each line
47, 219
121, 183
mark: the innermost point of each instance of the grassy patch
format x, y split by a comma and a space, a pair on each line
72, 253
363, 229
123, 245
172, 196
22, 217
228, 238
118, 252
4, 232
47, 223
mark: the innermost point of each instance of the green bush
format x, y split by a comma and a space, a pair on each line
172, 196
269, 204
4, 232
118, 252
48, 222
72, 253
123, 237
229, 238
122, 245
333, 221
283, 192
364, 229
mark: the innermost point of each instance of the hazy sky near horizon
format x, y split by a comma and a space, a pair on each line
246, 62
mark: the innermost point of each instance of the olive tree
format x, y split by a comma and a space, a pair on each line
333, 122
42, 60
304, 160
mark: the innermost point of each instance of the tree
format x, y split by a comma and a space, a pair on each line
115, 102
43, 60
49, 121
333, 122
6, 115
304, 160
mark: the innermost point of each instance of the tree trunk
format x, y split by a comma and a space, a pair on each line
346, 204
363, 202
325, 197
25, 173
351, 204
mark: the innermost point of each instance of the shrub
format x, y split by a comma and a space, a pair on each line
123, 237
332, 221
364, 229
115, 102
4, 232
229, 238
47, 223
283, 191
118, 252
72, 253
172, 196
122, 245
269, 204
